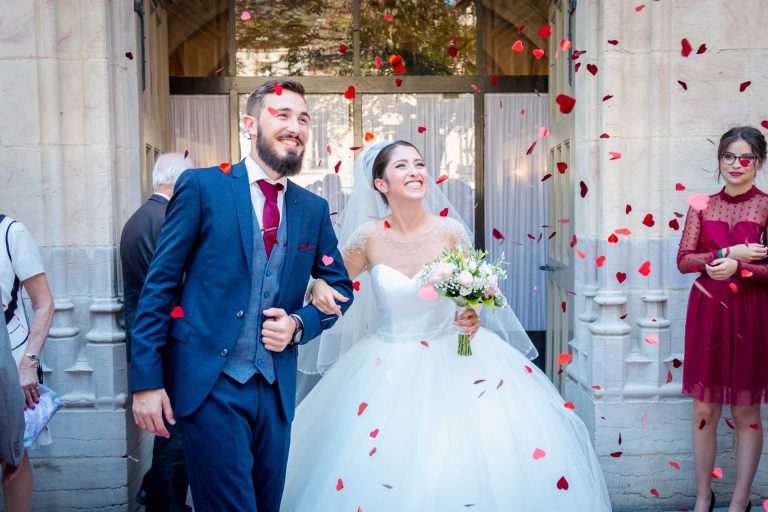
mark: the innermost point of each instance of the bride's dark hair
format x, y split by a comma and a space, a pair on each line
381, 161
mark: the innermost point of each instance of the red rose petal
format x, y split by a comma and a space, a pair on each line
580, 254
342, 48
755, 426
421, 129
453, 51
361, 408
607, 97
615, 155
272, 111
717, 473
683, 84
569, 405
648, 220
444, 212
374, 433
398, 82
545, 31
674, 465
639, 7
225, 167
628, 209
562, 484
702, 49
583, 189
561, 167
518, 46
339, 485
613, 239
498, 235
600, 261
620, 277
733, 287
652, 339
674, 224
350, 92
377, 62
592, 69
645, 268
538, 453
494, 79
538, 53
546, 177
623, 231
573, 241
566, 103
729, 423
746, 273
655, 492
356, 286
337, 167
441, 179
743, 86
129, 55
186, 153
564, 358
616, 455
677, 363
528, 369
605, 136
686, 48
424, 343
679, 187
669, 376
614, 42
177, 312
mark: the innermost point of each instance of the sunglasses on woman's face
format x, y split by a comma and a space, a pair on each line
744, 160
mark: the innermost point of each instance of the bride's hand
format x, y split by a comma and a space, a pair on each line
468, 321
324, 298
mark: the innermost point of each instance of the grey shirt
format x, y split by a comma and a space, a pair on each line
11, 405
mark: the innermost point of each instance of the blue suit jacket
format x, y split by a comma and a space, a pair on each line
203, 263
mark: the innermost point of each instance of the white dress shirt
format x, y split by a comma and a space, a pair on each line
257, 196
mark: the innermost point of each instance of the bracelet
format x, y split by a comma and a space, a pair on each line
719, 253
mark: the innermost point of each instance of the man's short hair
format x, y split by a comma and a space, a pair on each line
168, 168
256, 99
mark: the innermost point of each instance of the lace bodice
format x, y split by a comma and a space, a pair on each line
726, 221
393, 265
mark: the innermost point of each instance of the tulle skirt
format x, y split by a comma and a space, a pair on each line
398, 426
726, 342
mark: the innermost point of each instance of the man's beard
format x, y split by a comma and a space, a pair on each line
288, 165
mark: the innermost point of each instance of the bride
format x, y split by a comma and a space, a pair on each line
400, 422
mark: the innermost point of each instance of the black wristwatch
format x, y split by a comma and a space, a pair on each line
298, 332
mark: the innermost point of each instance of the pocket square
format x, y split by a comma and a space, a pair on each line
306, 247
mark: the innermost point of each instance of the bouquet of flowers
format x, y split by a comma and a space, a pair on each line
465, 277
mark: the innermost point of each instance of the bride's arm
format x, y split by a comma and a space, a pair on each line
326, 298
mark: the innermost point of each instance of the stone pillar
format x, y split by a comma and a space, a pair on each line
631, 333
70, 160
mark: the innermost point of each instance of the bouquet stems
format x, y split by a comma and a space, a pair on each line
464, 348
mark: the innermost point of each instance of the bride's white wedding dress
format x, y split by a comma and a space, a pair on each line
402, 423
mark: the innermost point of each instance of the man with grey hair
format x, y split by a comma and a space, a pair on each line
164, 487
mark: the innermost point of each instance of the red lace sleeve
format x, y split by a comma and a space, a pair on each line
688, 260
757, 271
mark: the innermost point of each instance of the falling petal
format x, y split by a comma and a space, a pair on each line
583, 189
361, 408
686, 48
421, 129
350, 92
645, 268
743, 86
498, 235
613, 239
566, 103
245, 15
674, 465
564, 358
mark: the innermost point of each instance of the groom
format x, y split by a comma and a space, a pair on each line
220, 314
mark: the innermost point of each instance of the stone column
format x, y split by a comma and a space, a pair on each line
70, 161
631, 327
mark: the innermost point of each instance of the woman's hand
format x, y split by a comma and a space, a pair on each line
722, 268
324, 298
468, 321
29, 382
747, 252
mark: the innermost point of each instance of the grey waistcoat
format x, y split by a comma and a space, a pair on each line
249, 355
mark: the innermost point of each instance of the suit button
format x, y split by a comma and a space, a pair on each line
266, 295
269, 273
225, 352
240, 314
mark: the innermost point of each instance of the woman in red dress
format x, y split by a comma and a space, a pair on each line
726, 330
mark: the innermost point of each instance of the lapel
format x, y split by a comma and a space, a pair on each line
293, 212
244, 206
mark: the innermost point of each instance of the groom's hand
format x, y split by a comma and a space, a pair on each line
277, 331
149, 407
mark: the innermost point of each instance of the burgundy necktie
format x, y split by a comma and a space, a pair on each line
271, 217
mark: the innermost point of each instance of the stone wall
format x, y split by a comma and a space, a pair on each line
664, 135
70, 154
